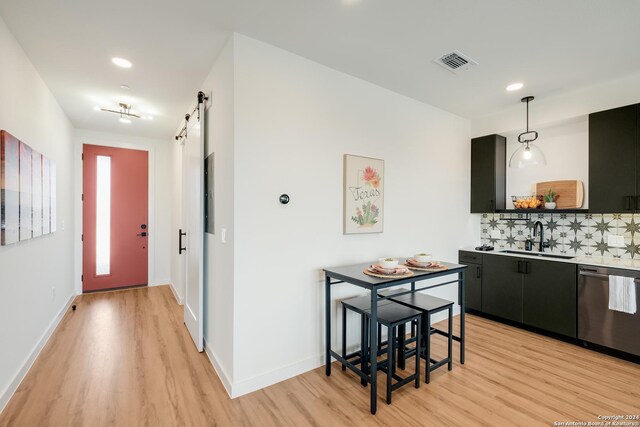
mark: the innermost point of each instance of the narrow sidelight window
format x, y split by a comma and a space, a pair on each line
103, 216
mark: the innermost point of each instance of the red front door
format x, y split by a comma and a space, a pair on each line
114, 217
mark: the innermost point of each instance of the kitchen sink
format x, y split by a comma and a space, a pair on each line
540, 254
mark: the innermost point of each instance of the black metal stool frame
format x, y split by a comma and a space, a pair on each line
394, 344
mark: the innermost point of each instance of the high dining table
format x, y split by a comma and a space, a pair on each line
354, 275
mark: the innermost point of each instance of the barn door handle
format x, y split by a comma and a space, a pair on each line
180, 248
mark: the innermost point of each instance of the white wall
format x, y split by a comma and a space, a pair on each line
294, 120
30, 269
160, 199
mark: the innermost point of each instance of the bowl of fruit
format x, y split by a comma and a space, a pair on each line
528, 202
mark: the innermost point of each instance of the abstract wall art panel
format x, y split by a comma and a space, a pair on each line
26, 191
36, 199
46, 196
9, 189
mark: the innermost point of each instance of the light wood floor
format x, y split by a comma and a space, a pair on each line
126, 359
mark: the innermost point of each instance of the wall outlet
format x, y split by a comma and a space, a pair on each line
495, 234
615, 241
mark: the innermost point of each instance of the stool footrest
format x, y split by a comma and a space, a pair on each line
403, 382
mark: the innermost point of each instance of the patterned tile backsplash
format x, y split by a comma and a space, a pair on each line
571, 234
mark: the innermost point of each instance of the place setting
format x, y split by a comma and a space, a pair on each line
423, 262
388, 268
391, 268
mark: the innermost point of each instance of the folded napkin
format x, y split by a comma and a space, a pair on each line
396, 270
622, 294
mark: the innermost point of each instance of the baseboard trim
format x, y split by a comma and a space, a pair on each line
7, 394
222, 374
277, 375
175, 293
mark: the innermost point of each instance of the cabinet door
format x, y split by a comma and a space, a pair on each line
550, 298
472, 279
488, 173
613, 139
473, 287
502, 287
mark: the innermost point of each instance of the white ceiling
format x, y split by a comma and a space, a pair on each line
552, 46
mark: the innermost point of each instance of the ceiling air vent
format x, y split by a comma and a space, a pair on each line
455, 61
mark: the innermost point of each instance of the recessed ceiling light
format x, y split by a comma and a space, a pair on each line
123, 120
514, 86
125, 87
121, 62
96, 108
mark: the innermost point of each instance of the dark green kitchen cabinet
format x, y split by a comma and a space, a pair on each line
534, 292
614, 160
549, 297
502, 286
488, 173
472, 279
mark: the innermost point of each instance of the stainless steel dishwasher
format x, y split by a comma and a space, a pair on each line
596, 323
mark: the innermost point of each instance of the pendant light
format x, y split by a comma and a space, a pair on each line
527, 155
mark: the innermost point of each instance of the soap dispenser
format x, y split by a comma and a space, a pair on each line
528, 244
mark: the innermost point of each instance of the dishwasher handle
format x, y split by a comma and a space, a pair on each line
598, 275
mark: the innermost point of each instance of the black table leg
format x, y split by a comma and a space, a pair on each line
462, 310
327, 323
373, 343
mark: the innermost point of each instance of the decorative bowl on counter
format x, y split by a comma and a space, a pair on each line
528, 202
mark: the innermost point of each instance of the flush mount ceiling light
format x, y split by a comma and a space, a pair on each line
124, 112
125, 87
527, 155
514, 86
121, 62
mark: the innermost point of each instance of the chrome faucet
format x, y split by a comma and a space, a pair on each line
542, 244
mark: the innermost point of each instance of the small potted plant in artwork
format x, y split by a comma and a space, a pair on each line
550, 199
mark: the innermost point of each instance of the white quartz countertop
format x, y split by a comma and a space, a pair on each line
626, 264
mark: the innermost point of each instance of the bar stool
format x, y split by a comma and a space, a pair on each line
392, 315
430, 305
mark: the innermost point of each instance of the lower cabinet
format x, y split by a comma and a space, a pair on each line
502, 287
534, 292
472, 279
549, 299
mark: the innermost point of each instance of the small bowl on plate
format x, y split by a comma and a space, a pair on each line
388, 263
422, 257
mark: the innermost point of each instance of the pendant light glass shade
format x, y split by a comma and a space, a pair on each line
527, 155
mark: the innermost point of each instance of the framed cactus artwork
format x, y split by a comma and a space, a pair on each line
363, 195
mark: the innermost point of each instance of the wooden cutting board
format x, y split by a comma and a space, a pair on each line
570, 192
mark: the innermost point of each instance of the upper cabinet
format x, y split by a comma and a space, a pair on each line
488, 173
614, 160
